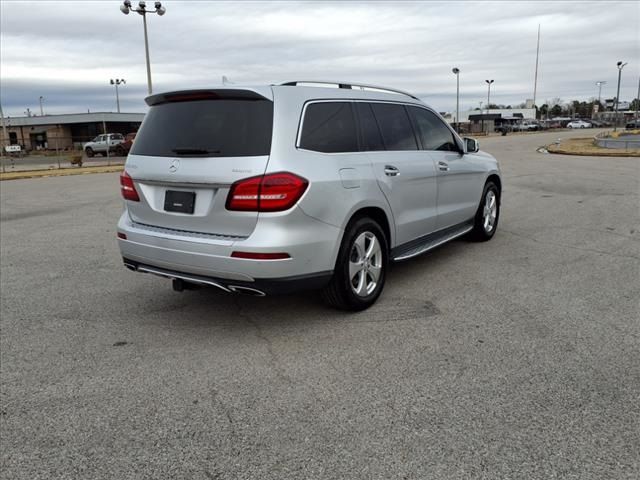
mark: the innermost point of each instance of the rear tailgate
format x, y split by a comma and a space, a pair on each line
190, 148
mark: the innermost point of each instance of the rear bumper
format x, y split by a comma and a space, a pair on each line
259, 287
311, 244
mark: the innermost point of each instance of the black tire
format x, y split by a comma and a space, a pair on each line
89, 152
340, 291
481, 232
119, 151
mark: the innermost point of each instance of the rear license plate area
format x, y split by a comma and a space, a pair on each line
181, 202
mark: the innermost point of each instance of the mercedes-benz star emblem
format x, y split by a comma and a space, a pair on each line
173, 167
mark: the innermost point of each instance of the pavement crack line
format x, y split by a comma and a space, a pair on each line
273, 358
572, 247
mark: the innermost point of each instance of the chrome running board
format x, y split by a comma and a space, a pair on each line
429, 242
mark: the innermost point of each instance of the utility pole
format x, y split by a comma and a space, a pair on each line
41, 109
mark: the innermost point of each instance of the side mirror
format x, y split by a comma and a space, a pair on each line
471, 145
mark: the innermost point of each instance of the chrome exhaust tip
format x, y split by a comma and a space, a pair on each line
131, 266
246, 291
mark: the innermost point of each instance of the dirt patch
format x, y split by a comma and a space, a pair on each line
586, 146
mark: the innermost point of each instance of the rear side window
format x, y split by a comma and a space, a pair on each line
329, 127
433, 133
370, 137
210, 128
395, 125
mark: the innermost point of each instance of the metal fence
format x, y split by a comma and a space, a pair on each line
47, 153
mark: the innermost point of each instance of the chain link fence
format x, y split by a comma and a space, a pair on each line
44, 152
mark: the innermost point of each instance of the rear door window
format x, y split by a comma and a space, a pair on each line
370, 136
210, 128
329, 127
433, 133
395, 125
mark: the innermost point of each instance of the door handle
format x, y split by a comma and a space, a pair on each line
443, 167
391, 171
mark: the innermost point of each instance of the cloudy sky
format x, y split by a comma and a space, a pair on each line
67, 51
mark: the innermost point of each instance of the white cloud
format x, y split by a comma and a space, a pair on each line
68, 51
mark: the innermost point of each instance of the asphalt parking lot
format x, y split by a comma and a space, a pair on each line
518, 358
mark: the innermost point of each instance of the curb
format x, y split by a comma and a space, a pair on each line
59, 173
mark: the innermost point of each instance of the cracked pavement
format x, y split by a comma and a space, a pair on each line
516, 358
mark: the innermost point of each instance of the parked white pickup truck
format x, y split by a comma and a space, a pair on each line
99, 145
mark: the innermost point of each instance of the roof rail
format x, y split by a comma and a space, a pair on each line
350, 85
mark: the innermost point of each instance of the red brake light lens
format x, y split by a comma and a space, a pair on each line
273, 192
127, 188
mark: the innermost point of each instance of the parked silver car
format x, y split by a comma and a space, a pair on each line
271, 189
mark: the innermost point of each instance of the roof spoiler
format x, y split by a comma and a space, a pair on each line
206, 94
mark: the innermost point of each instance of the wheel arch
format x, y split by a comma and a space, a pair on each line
495, 179
377, 214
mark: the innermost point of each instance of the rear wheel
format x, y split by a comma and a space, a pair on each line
361, 267
120, 151
486, 219
89, 152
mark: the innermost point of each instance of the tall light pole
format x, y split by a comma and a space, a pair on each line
638, 100
620, 67
599, 84
41, 109
117, 82
5, 139
489, 82
456, 72
142, 10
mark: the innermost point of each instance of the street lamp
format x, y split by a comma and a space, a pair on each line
41, 109
142, 10
599, 84
489, 82
456, 72
620, 67
117, 82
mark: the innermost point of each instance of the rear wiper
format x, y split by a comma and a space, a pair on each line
194, 151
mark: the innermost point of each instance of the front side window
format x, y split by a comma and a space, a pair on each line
433, 133
329, 127
395, 125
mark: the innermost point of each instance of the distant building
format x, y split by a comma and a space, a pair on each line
502, 112
52, 132
610, 104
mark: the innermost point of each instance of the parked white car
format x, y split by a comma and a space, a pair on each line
578, 124
99, 145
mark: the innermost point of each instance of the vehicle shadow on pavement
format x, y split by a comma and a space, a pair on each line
212, 308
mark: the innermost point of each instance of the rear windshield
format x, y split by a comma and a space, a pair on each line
211, 128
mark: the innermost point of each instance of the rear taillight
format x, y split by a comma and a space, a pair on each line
273, 192
127, 188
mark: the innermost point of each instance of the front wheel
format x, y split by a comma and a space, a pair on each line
89, 152
361, 267
486, 220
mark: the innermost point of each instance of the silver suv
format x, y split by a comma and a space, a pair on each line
301, 185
